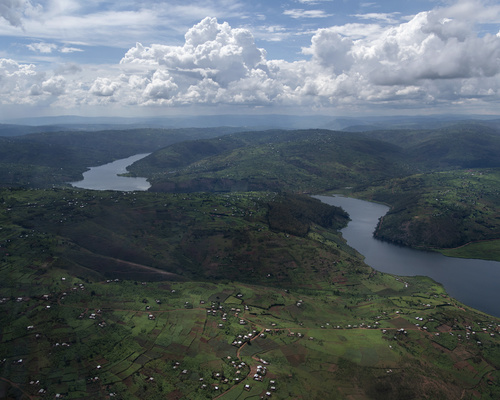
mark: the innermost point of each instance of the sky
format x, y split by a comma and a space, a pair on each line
300, 57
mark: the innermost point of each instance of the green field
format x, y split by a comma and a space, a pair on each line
227, 281
305, 307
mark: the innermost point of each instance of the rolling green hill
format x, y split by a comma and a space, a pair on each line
229, 296
233, 285
300, 161
466, 145
54, 158
442, 209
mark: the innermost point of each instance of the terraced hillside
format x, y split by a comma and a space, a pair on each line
241, 303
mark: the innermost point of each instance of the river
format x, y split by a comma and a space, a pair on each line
473, 282
105, 177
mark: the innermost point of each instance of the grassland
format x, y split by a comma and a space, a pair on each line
296, 315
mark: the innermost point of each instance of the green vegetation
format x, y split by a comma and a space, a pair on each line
300, 313
435, 203
42, 160
153, 236
441, 210
298, 161
294, 214
225, 282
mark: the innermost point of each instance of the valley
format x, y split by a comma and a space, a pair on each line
228, 280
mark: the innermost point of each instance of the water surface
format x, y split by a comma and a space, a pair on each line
473, 282
105, 177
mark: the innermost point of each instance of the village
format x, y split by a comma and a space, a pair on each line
250, 328
230, 320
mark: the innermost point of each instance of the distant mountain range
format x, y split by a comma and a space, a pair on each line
23, 126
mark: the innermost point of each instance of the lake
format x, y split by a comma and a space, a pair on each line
105, 177
473, 282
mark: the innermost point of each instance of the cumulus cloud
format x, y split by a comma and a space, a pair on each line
16, 81
55, 85
331, 50
427, 47
433, 58
213, 57
104, 87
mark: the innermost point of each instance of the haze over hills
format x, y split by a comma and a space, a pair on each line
249, 122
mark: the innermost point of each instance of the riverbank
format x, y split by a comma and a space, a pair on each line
471, 281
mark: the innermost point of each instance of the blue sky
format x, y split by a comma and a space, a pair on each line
334, 57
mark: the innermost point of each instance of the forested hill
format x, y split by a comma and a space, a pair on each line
302, 161
315, 160
53, 158
467, 145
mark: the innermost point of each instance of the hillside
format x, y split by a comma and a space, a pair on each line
299, 161
430, 209
242, 305
465, 145
116, 233
441, 209
54, 158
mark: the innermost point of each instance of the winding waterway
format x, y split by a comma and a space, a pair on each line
106, 177
473, 282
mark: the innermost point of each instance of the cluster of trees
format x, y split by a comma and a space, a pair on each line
294, 214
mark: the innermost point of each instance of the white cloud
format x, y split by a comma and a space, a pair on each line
435, 58
118, 24
104, 87
13, 10
55, 85
312, 2
161, 87
16, 81
42, 47
66, 49
271, 33
331, 50
47, 48
299, 13
211, 50
388, 18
